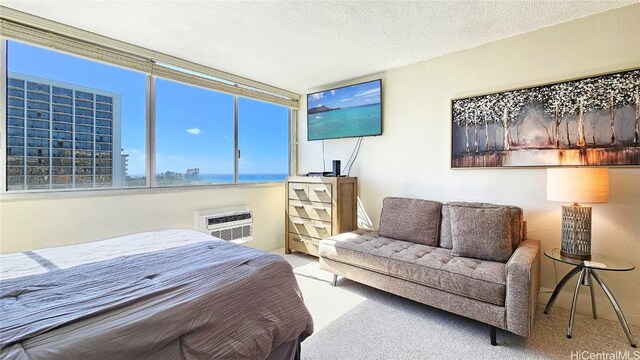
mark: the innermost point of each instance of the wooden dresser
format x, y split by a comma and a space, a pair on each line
316, 208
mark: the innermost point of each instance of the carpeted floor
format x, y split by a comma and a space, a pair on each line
354, 321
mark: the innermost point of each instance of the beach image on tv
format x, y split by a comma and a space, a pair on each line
350, 111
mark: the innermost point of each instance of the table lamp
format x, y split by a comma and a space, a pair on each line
577, 185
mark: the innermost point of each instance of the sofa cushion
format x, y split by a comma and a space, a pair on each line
426, 265
411, 220
481, 233
515, 218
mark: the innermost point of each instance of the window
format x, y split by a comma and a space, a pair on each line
59, 107
263, 138
81, 121
194, 135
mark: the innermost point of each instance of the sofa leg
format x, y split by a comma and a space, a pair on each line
493, 335
335, 280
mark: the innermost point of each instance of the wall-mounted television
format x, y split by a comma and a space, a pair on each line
348, 111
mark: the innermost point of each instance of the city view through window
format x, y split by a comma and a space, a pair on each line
78, 123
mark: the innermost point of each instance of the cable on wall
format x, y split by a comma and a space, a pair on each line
353, 157
346, 165
324, 163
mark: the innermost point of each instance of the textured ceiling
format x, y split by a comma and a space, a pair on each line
303, 45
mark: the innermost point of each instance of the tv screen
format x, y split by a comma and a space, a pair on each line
349, 111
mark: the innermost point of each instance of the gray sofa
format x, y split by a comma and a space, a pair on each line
493, 275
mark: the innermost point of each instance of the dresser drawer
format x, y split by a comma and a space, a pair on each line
299, 191
304, 244
307, 227
310, 210
320, 192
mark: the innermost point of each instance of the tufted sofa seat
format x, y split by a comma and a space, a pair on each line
417, 254
422, 264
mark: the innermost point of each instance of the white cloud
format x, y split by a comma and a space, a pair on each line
317, 96
333, 92
371, 92
194, 131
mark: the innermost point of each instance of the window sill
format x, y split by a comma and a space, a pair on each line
82, 193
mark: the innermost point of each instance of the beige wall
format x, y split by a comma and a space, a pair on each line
411, 158
61, 220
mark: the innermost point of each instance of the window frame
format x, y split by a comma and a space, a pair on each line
152, 138
168, 67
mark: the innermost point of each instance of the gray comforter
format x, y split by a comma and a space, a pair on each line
197, 298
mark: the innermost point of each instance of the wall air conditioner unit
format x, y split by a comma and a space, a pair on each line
231, 224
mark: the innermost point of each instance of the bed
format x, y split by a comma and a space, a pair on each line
170, 294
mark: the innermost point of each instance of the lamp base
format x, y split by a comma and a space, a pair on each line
576, 232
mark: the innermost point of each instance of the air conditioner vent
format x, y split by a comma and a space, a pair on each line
231, 224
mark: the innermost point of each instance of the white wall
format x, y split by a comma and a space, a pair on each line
411, 158
62, 220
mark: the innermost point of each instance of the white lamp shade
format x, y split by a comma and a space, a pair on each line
578, 185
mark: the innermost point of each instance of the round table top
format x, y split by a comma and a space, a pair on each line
598, 262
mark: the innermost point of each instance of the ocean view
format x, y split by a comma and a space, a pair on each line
202, 179
349, 122
227, 178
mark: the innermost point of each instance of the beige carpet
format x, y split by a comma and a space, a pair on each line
354, 321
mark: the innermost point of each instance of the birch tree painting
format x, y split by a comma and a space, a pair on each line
592, 121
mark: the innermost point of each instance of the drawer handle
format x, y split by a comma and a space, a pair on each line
310, 242
298, 206
297, 222
319, 208
319, 227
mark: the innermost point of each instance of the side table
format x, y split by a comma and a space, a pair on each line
587, 271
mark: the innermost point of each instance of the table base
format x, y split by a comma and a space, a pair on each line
584, 278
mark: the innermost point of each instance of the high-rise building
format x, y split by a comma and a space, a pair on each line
124, 163
61, 135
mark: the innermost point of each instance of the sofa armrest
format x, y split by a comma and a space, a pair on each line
523, 286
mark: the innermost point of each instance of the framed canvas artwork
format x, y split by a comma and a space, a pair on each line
592, 121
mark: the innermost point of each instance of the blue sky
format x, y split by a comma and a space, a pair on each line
350, 96
194, 126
